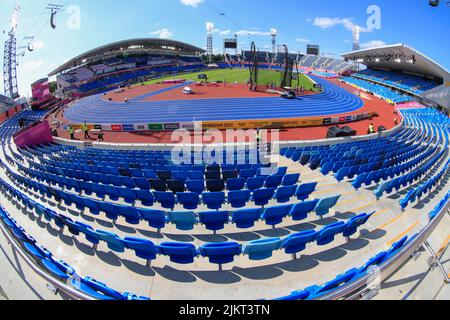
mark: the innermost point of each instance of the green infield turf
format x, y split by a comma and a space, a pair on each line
237, 75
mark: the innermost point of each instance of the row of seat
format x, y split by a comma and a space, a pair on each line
412, 176
60, 269
185, 220
168, 200
316, 291
180, 252
192, 185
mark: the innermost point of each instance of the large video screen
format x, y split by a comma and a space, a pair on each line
230, 44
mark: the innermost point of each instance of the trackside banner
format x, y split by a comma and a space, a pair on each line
233, 124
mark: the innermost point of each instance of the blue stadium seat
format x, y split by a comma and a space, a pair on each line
88, 232
214, 200
354, 223
255, 183
274, 215
142, 183
92, 205
111, 211
297, 242
156, 218
305, 190
143, 248
261, 197
189, 200
180, 175
182, 253
247, 173
96, 289
317, 291
235, 184
262, 249
324, 205
273, 181
291, 179
285, 193
220, 253
238, 199
58, 268
197, 186
326, 234
166, 199
183, 220
196, 175
112, 240
145, 197
214, 220
131, 214
246, 218
128, 195
301, 210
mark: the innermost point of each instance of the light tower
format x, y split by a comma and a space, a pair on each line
209, 45
273, 34
10, 58
356, 38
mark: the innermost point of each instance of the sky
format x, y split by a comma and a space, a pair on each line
86, 24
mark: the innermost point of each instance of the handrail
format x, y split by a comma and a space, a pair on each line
75, 294
356, 289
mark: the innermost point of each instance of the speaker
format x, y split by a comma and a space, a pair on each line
337, 132
349, 132
333, 132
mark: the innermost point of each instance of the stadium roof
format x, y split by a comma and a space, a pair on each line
399, 57
142, 45
5, 103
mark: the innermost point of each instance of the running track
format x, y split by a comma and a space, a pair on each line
334, 100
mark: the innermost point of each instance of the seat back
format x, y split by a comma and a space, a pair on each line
305, 190
183, 220
214, 200
300, 210
262, 249
275, 215
324, 205
183, 253
238, 199
221, 253
246, 218
214, 220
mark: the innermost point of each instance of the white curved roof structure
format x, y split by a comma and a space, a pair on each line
399, 57
131, 46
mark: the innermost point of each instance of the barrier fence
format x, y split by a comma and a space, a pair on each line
231, 124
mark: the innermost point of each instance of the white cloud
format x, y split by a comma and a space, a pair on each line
192, 3
38, 45
225, 32
302, 40
326, 22
372, 44
163, 33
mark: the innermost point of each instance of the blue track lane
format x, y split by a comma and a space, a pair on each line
334, 100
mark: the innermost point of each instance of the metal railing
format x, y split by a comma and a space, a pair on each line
357, 289
70, 291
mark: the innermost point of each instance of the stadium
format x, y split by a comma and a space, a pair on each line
152, 172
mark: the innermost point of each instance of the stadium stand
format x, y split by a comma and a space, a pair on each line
380, 90
113, 185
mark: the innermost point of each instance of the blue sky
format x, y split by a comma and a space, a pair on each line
298, 22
